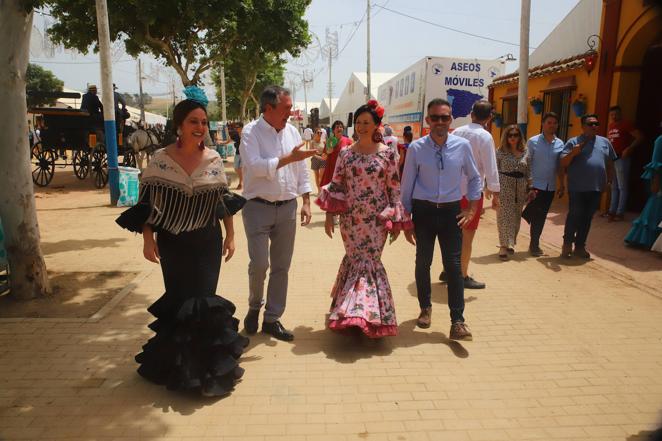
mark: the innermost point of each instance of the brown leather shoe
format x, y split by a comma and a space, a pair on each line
566, 250
425, 318
581, 252
460, 331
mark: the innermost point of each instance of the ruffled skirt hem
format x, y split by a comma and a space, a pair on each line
371, 330
196, 347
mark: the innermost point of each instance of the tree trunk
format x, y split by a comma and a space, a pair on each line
247, 92
257, 106
28, 277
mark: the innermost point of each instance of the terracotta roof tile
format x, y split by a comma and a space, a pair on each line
571, 63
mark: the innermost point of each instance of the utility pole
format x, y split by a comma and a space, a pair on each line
522, 92
173, 97
140, 89
331, 50
224, 115
108, 99
306, 80
367, 69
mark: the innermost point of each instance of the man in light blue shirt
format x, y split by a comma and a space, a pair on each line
544, 151
431, 192
589, 160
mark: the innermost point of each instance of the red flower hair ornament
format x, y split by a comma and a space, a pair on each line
379, 110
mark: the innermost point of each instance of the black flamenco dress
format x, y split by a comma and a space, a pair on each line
197, 345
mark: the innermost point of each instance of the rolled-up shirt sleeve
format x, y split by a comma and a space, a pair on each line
303, 177
488, 159
474, 184
408, 179
249, 150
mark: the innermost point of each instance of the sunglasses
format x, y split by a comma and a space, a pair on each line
593, 124
513, 135
437, 118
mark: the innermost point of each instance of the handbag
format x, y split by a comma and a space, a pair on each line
230, 204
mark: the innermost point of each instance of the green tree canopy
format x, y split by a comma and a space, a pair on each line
189, 35
246, 75
38, 79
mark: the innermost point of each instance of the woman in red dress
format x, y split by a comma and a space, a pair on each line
337, 141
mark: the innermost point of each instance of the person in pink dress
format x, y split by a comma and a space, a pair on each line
365, 192
336, 142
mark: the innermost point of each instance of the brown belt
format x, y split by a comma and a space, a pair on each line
274, 203
436, 204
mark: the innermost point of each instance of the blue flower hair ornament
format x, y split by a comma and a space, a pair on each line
194, 93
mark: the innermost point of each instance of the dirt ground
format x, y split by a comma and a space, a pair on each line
88, 263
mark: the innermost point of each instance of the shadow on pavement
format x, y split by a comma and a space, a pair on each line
352, 346
439, 292
78, 245
646, 435
556, 264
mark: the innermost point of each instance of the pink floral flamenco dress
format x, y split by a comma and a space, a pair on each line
365, 192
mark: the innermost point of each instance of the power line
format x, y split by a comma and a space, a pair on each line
495, 40
75, 62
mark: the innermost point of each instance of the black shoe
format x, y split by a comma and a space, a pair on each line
535, 251
277, 330
443, 277
470, 283
250, 322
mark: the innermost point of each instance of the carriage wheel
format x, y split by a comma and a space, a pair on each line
81, 163
129, 159
43, 166
99, 167
36, 148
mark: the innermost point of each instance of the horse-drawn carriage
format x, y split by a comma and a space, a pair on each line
70, 137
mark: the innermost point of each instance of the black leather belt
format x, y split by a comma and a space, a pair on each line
436, 204
274, 203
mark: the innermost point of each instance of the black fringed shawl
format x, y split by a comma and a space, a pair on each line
173, 201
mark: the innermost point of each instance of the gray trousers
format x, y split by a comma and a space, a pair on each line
270, 234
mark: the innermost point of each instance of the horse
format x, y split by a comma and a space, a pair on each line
144, 143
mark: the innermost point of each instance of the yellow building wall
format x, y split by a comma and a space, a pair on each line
586, 85
638, 27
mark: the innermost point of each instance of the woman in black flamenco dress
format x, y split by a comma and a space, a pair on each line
183, 195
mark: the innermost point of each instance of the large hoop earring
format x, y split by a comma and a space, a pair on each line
377, 136
179, 142
201, 146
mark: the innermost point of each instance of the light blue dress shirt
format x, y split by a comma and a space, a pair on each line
544, 161
434, 172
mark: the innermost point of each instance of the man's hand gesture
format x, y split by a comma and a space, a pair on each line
299, 153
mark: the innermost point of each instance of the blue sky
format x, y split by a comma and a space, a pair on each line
396, 41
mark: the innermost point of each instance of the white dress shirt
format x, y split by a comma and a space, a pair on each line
261, 146
482, 146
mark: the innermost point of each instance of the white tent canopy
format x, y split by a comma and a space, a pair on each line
150, 118
353, 95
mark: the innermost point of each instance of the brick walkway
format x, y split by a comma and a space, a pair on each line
561, 351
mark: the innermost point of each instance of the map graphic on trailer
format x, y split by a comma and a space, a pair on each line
462, 101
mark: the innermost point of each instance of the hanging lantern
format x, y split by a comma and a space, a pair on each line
589, 60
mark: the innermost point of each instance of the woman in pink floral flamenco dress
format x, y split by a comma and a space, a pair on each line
365, 192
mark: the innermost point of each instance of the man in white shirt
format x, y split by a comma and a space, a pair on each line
482, 147
307, 135
274, 176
